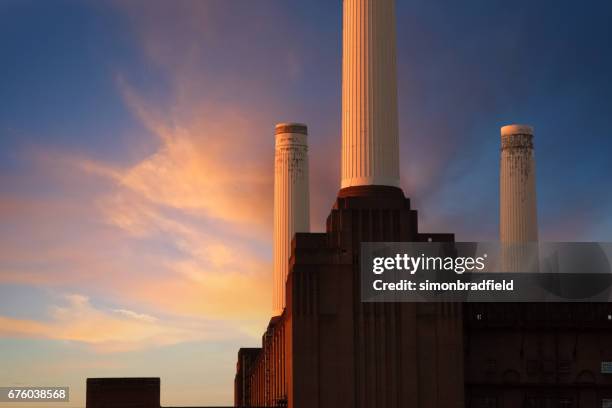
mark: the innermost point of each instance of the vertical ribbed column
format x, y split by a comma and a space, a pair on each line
518, 221
370, 146
291, 200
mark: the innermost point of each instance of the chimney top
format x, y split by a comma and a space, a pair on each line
511, 130
291, 127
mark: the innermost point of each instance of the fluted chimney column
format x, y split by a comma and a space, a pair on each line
518, 213
370, 154
291, 201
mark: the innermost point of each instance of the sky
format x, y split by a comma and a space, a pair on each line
136, 162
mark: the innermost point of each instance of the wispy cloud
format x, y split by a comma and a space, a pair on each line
110, 330
134, 315
184, 229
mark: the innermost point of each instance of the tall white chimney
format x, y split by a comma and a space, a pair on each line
518, 221
291, 200
370, 146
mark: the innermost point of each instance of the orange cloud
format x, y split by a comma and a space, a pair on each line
183, 229
113, 330
101, 230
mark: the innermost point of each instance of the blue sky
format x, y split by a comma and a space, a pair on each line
136, 143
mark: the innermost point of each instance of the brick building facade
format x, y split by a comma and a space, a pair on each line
328, 349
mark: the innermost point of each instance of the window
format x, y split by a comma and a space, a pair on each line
483, 402
565, 366
549, 402
548, 366
533, 402
533, 367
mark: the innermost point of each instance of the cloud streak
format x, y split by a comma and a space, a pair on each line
109, 330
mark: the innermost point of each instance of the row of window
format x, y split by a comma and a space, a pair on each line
537, 366
533, 402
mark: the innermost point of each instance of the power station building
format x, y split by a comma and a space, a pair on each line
327, 349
